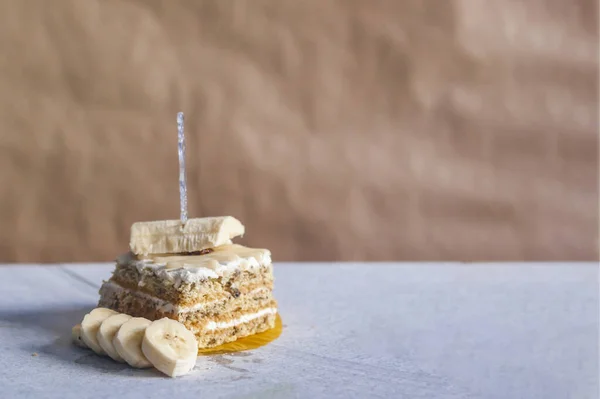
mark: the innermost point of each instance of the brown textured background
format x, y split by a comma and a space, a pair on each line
335, 130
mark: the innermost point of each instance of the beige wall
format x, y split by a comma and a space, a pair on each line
335, 130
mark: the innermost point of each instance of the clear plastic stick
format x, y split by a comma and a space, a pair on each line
182, 181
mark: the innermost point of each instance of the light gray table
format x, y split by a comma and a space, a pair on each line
503, 331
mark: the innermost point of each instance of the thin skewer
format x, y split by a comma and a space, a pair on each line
183, 211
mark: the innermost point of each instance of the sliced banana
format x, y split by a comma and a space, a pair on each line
76, 336
90, 325
106, 333
170, 236
170, 347
128, 342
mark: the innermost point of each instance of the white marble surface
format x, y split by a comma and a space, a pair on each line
503, 331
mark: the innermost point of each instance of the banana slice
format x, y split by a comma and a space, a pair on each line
76, 336
106, 333
170, 347
128, 342
170, 236
90, 325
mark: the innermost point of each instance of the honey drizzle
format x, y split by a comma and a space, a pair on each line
247, 343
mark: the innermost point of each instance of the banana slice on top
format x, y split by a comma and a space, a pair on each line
128, 342
170, 347
106, 333
170, 236
90, 326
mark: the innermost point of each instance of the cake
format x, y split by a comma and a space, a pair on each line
221, 293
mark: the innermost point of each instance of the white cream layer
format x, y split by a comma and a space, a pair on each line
223, 262
219, 325
164, 306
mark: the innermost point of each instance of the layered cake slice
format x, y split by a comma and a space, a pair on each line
220, 293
